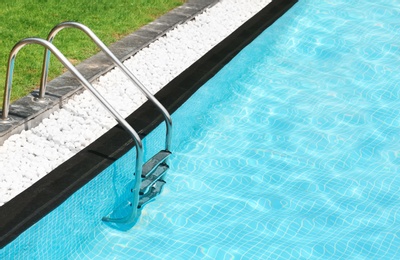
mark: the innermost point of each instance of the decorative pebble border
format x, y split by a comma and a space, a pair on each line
164, 53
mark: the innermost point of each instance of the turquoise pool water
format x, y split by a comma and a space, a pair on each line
291, 151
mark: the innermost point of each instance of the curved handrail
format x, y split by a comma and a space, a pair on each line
103, 47
50, 47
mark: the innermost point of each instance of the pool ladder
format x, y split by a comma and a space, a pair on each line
148, 177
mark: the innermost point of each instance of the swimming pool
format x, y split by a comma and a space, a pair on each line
290, 151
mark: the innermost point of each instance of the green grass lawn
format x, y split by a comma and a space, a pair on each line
110, 20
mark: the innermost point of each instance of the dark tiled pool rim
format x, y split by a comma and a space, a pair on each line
49, 192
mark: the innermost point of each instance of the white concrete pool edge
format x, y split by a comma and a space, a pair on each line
28, 156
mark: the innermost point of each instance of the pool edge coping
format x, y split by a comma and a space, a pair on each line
48, 193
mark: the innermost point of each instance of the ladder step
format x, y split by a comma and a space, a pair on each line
154, 161
154, 191
152, 178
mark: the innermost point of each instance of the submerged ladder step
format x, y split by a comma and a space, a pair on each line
154, 161
154, 191
152, 178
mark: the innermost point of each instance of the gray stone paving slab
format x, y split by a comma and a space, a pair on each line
26, 113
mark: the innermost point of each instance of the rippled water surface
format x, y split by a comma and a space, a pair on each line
291, 151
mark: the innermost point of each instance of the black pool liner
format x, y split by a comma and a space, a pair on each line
53, 189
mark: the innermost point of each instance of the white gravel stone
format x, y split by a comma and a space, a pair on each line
30, 155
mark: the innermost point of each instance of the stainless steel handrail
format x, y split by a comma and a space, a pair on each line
138, 142
103, 47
